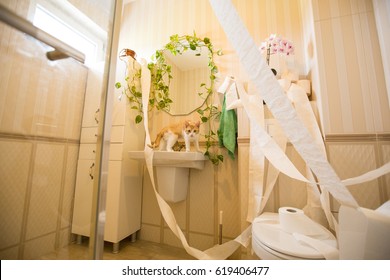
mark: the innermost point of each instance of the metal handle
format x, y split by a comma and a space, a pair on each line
91, 170
62, 50
96, 115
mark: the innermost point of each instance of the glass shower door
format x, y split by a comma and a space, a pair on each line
45, 94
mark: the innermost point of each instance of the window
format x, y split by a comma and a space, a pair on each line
63, 21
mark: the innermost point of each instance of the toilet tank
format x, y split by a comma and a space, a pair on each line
364, 234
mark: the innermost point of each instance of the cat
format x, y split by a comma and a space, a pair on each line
169, 135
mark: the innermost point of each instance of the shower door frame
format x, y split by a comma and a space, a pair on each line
96, 241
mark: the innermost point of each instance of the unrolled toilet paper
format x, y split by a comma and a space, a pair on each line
294, 220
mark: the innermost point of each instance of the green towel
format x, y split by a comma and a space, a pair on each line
227, 132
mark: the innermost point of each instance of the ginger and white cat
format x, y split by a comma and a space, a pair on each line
169, 135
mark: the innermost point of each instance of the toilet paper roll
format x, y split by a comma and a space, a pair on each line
294, 220
384, 208
225, 85
305, 84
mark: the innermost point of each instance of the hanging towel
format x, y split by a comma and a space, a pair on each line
227, 132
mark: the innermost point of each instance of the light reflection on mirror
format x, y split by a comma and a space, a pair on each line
189, 70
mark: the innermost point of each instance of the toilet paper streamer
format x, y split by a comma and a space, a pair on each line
315, 207
282, 109
274, 96
329, 252
276, 100
278, 103
218, 251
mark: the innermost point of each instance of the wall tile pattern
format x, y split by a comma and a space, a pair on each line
351, 86
212, 189
323, 33
41, 106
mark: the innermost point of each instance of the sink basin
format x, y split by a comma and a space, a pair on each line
173, 171
173, 159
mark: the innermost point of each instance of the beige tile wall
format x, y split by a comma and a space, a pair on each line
336, 46
212, 189
350, 84
37, 186
41, 104
351, 156
14, 177
384, 153
159, 19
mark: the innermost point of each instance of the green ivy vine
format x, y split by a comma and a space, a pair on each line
132, 90
160, 80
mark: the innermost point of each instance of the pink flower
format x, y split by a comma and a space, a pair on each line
263, 46
275, 44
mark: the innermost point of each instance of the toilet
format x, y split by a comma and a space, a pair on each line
370, 229
271, 242
362, 234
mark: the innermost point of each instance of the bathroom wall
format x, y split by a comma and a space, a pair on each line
357, 139
351, 82
40, 117
336, 47
347, 72
146, 26
41, 109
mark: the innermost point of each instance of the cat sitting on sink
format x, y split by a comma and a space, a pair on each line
168, 136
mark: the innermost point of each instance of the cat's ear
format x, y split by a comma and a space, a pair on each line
197, 123
186, 123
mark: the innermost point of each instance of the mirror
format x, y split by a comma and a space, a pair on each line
182, 75
182, 81
189, 71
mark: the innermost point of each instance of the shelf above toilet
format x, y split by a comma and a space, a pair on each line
173, 159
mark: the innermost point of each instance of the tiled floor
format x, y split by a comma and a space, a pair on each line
138, 250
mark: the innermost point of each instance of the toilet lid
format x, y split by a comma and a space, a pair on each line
267, 231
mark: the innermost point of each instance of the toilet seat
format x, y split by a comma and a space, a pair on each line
269, 241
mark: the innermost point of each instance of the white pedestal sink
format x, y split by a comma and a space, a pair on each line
172, 171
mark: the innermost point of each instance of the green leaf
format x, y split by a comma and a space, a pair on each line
204, 119
174, 38
138, 119
200, 112
118, 85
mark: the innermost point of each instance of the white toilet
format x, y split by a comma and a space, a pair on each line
362, 234
271, 242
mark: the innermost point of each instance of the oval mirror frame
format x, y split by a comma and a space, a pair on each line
161, 74
180, 47
190, 79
